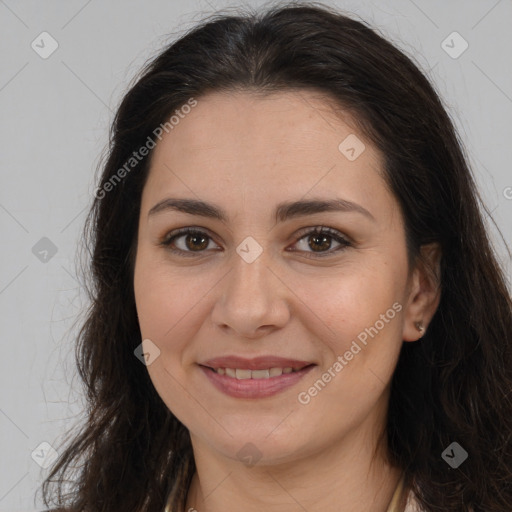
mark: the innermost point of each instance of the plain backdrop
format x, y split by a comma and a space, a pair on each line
55, 114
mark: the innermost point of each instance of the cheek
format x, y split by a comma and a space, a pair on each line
351, 301
166, 304
161, 301
364, 309
154, 297
170, 302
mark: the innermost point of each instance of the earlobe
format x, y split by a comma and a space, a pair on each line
419, 326
425, 293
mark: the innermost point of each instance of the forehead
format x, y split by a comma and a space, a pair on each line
250, 123
244, 143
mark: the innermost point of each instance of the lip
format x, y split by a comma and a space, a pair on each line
256, 363
254, 388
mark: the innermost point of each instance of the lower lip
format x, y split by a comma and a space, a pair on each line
254, 388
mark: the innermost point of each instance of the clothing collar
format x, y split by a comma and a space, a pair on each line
398, 500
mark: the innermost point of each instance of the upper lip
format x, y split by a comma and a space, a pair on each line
256, 363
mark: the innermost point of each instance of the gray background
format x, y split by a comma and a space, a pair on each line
55, 115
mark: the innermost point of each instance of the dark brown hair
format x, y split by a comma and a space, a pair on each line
455, 385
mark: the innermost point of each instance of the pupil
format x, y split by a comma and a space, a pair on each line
324, 241
195, 238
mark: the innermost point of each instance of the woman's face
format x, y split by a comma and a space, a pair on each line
258, 287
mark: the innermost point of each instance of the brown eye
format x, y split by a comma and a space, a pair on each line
320, 241
193, 242
187, 241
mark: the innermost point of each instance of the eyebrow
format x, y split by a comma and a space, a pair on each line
283, 211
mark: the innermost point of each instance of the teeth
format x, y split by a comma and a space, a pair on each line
242, 374
230, 372
260, 374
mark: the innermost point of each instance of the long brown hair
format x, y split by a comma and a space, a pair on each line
455, 385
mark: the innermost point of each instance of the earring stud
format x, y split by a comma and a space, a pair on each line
419, 326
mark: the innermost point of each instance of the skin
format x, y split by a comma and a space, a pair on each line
247, 153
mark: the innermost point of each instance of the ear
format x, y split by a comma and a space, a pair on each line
424, 292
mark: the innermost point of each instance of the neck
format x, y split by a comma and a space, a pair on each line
350, 476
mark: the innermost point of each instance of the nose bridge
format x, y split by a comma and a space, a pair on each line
250, 275
251, 293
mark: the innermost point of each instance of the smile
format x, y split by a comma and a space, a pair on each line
261, 383
243, 373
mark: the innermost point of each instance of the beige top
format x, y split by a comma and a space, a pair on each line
400, 496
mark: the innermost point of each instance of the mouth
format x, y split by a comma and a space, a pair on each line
254, 378
265, 373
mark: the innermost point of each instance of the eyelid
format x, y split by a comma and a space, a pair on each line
177, 233
336, 235
185, 231
321, 229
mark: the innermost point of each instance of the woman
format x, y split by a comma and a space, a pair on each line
295, 304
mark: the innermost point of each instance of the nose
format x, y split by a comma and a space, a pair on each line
253, 299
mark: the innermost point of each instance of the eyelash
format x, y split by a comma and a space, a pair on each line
318, 230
